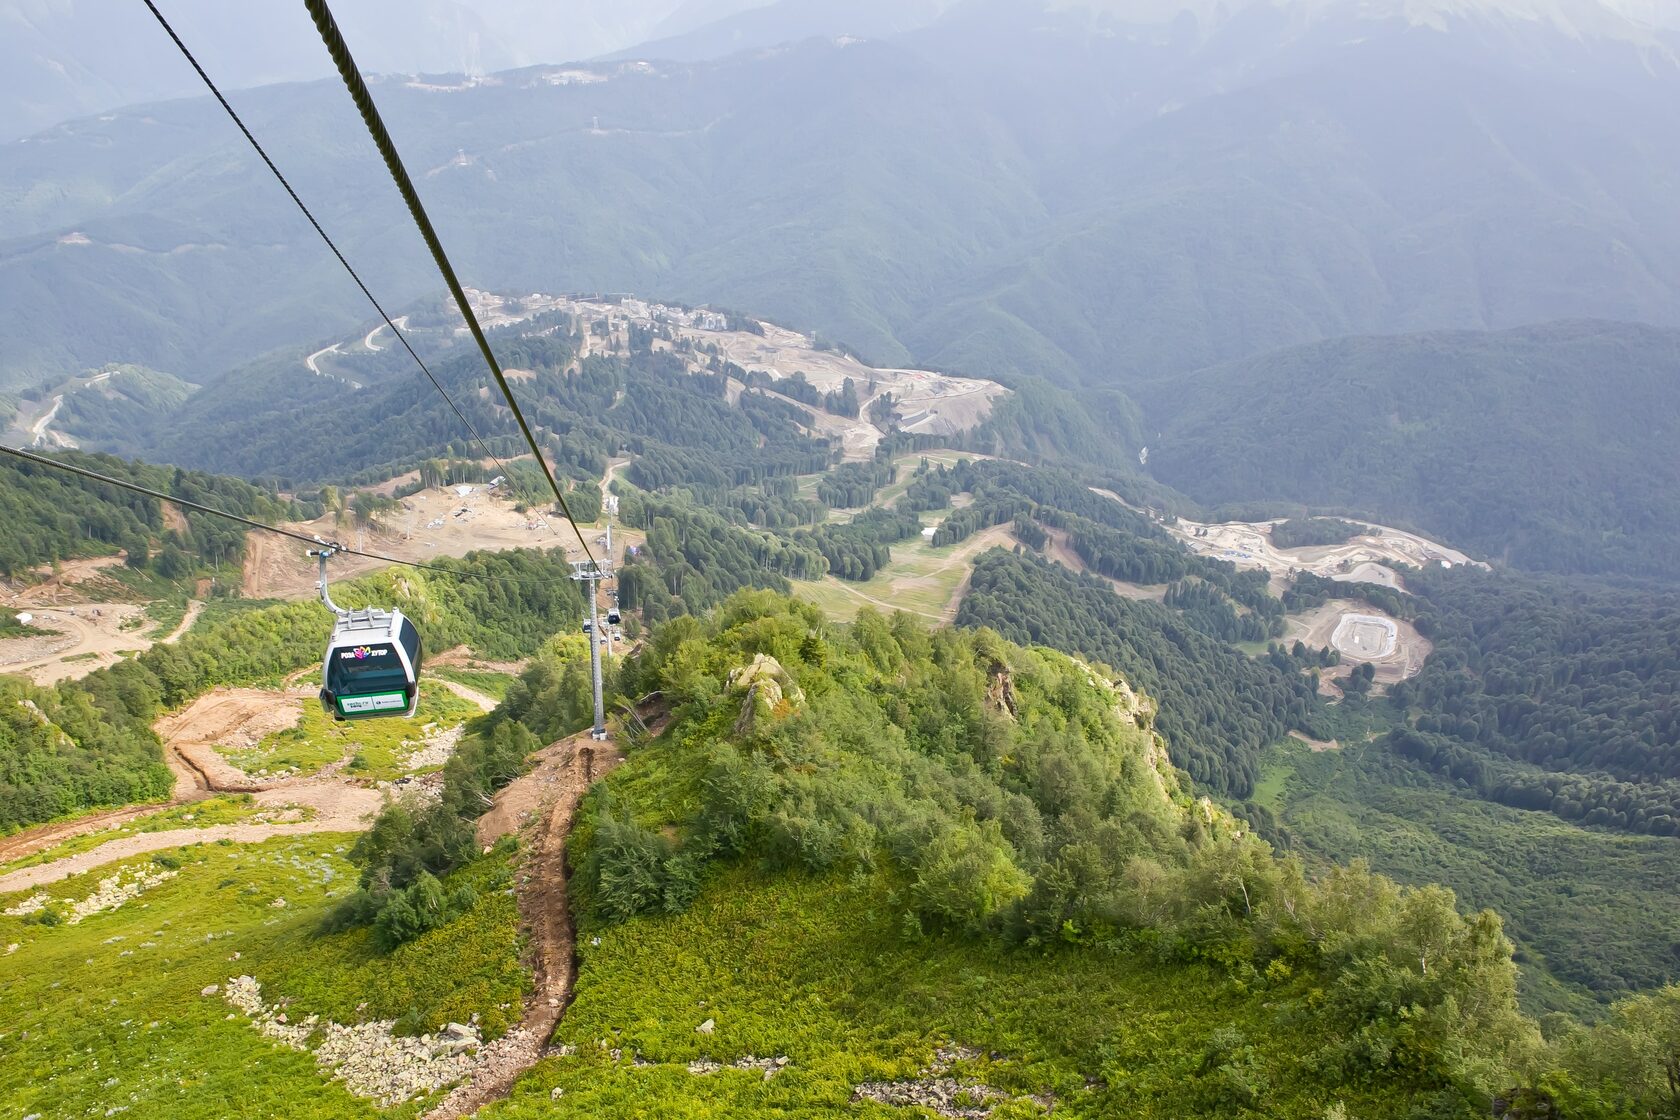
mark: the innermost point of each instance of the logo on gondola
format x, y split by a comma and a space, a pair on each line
362, 653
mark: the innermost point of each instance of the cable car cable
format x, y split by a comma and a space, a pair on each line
346, 63
185, 503
307, 213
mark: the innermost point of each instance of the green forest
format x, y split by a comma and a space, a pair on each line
1010, 797
47, 515
1305, 532
1553, 695
1219, 709
1589, 908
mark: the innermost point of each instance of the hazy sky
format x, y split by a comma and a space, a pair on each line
66, 58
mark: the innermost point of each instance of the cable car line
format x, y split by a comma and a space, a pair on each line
346, 63
307, 213
313, 541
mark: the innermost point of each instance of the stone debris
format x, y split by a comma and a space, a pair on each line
707, 1027
943, 1096
34, 904
209, 990
114, 890
940, 1093
369, 1058
434, 750
769, 1067
12, 948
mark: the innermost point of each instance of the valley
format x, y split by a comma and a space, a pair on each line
922, 575
1140, 554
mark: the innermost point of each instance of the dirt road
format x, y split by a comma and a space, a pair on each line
239, 718
339, 807
194, 609
40, 430
485, 702
543, 804
226, 717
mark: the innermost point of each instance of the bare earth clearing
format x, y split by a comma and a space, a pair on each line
920, 580
1249, 545
1362, 635
89, 632
432, 523
225, 719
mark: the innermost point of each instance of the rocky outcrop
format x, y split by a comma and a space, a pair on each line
770, 692
1000, 691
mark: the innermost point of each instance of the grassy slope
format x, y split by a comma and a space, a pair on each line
820, 970
108, 1012
378, 748
1584, 905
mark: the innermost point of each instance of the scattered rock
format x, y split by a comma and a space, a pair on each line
112, 892
941, 1094
369, 1058
210, 989
34, 904
556, 1093
706, 1028
435, 749
769, 1067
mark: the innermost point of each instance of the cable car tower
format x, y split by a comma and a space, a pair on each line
591, 575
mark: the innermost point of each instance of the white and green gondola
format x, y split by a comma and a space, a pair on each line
372, 665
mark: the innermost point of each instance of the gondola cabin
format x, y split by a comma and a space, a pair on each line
372, 668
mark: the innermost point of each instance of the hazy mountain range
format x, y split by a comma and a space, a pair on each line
1003, 188
999, 191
